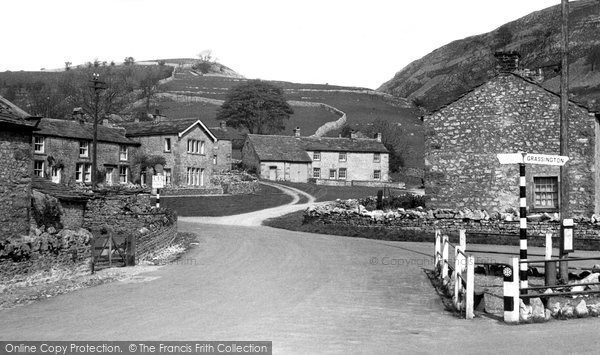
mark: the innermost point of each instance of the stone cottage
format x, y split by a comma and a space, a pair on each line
62, 151
16, 169
509, 114
192, 152
337, 161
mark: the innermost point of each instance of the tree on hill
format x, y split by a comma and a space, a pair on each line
205, 61
257, 106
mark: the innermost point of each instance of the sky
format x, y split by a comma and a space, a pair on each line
342, 42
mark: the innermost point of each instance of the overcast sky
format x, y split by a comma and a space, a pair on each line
346, 42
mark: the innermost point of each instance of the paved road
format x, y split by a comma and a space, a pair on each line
307, 293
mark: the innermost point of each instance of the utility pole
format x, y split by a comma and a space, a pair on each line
97, 86
564, 132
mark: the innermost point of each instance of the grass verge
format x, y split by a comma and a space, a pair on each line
225, 205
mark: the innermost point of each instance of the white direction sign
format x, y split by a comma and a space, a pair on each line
544, 159
540, 159
158, 181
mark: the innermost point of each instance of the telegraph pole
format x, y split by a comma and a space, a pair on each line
564, 131
97, 86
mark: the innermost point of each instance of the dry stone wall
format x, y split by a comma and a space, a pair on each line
351, 213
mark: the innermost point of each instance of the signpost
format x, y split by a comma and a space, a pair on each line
522, 159
158, 182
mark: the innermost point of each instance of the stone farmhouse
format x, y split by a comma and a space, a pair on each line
192, 152
338, 161
509, 114
62, 151
16, 168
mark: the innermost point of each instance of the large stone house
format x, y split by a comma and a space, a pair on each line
192, 152
16, 169
509, 114
62, 151
324, 159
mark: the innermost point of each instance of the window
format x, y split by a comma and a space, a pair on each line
317, 173
122, 152
215, 159
56, 173
545, 192
377, 174
342, 173
123, 174
195, 176
342, 156
316, 155
83, 172
167, 144
332, 173
84, 147
38, 144
38, 168
377, 157
195, 146
167, 176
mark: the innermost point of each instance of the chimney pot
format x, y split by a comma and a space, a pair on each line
352, 134
297, 132
223, 125
378, 136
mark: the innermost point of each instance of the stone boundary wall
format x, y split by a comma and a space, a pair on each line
148, 243
326, 182
215, 190
345, 214
44, 250
241, 188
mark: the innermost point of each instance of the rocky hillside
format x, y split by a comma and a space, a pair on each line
444, 74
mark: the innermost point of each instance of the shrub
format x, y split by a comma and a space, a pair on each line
406, 201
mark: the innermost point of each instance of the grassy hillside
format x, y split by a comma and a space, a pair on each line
449, 71
192, 95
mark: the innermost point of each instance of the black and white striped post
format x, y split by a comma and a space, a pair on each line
522, 228
157, 198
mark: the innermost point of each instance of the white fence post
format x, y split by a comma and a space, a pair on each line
459, 265
511, 292
470, 287
438, 251
444, 260
462, 239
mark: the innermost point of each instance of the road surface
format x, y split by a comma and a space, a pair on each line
307, 293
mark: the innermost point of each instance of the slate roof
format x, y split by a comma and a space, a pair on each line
11, 114
77, 130
161, 128
293, 149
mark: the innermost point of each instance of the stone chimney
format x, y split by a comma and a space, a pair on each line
353, 134
297, 132
77, 115
378, 137
508, 62
223, 125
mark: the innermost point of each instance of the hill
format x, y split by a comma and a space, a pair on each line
192, 94
453, 69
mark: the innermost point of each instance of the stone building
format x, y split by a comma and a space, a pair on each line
298, 159
508, 114
16, 169
192, 152
62, 151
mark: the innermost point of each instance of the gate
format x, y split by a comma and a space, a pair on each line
110, 248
